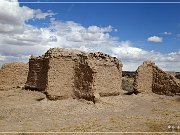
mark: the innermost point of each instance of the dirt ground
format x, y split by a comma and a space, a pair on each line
30, 111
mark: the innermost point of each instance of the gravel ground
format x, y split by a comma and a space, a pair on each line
30, 111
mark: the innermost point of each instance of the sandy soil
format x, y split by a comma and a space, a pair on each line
30, 111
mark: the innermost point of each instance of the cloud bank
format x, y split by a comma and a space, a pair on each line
19, 39
155, 39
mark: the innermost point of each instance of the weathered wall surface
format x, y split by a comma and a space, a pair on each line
150, 78
171, 73
13, 75
37, 76
164, 83
107, 74
144, 77
71, 73
83, 78
60, 77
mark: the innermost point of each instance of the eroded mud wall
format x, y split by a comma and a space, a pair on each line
63, 73
150, 78
13, 75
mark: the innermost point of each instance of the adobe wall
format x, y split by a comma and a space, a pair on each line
60, 78
150, 78
107, 74
144, 77
13, 75
83, 78
71, 73
164, 83
37, 76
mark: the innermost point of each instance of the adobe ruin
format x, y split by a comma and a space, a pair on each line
63, 73
150, 78
13, 75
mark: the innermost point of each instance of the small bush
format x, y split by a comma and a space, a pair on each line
127, 85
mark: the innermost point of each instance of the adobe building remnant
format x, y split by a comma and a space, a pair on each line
63, 73
13, 75
150, 78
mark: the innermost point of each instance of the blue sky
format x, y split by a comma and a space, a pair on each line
133, 32
134, 22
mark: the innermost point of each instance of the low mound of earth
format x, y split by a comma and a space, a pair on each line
13, 75
30, 111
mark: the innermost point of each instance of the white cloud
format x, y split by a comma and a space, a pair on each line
115, 30
167, 33
38, 14
155, 39
95, 29
13, 18
11, 13
19, 40
2, 58
132, 57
